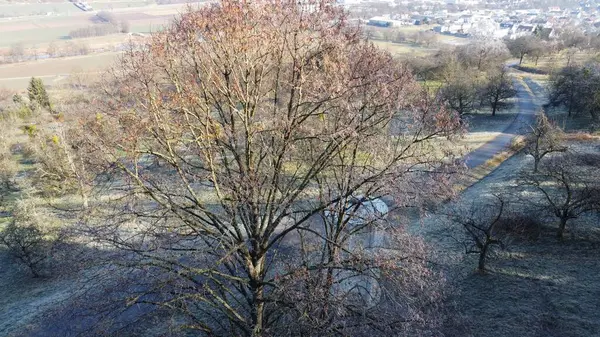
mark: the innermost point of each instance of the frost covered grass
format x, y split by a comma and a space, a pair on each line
539, 287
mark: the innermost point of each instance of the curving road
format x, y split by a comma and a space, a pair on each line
525, 117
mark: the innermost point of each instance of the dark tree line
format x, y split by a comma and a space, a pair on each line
109, 24
577, 89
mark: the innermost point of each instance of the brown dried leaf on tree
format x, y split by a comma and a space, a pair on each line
232, 131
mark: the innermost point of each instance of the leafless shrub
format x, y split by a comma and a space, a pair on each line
5, 94
125, 26
520, 226
28, 238
107, 17
94, 30
17, 52
8, 164
59, 170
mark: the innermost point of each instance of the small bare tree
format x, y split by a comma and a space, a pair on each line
479, 224
460, 90
498, 89
545, 137
53, 49
125, 26
17, 52
521, 46
568, 187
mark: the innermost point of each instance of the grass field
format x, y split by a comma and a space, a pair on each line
404, 49
52, 71
9, 9
56, 30
33, 31
27, 9
541, 287
34, 36
36, 33
555, 62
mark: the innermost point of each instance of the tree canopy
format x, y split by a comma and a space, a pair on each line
239, 139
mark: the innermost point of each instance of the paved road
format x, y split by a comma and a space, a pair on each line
525, 117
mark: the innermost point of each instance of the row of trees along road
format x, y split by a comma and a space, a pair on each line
540, 44
577, 89
222, 161
472, 76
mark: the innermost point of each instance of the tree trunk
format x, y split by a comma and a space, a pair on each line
561, 227
537, 157
85, 200
482, 256
333, 256
521, 59
83, 193
493, 109
258, 311
257, 288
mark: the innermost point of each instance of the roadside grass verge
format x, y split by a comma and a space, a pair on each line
476, 174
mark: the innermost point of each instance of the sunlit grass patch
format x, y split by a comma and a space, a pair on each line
404, 49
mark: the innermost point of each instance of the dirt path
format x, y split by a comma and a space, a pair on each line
526, 116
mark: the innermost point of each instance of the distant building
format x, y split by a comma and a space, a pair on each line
522, 30
382, 21
84, 6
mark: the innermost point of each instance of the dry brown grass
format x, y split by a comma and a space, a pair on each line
580, 137
480, 172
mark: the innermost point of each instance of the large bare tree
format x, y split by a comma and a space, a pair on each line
498, 89
461, 88
239, 141
483, 52
568, 185
545, 137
